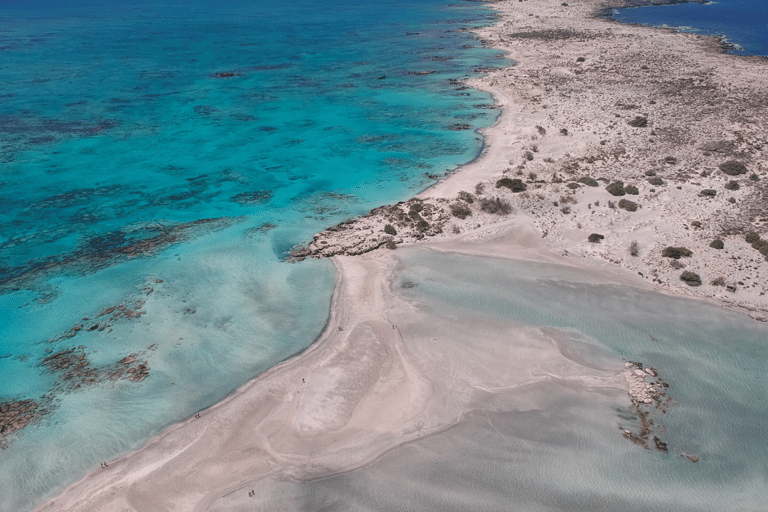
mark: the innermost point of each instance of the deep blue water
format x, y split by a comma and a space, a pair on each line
743, 23
157, 161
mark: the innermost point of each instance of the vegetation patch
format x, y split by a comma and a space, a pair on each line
590, 182
631, 189
595, 238
495, 205
639, 122
656, 181
676, 252
573, 186
717, 244
733, 168
690, 278
628, 205
708, 192
513, 184
390, 229
466, 196
616, 188
460, 211
732, 185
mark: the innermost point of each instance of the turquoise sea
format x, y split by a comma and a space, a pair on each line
159, 159
742, 23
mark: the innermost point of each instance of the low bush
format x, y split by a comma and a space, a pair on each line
391, 245
717, 244
595, 238
480, 188
573, 186
718, 281
650, 173
639, 122
590, 182
634, 248
708, 192
616, 188
466, 196
496, 206
630, 206
752, 237
733, 168
732, 185
422, 225
416, 207
514, 184
390, 229
631, 189
690, 278
541, 130
676, 252
528, 155
460, 211
656, 181
563, 131
754, 177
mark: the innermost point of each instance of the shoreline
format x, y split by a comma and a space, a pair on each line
306, 417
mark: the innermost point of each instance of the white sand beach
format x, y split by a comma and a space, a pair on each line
359, 390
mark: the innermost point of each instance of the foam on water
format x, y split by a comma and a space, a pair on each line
555, 444
159, 159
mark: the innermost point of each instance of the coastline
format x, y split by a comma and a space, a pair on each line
299, 419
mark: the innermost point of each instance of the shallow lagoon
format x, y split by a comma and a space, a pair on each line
556, 444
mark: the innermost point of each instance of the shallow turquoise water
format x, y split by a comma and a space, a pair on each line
158, 161
743, 23
556, 445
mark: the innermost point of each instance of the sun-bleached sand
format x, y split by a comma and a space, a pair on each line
359, 390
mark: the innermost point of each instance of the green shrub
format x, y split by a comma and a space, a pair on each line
630, 206
572, 186
460, 211
717, 244
650, 173
588, 181
466, 196
616, 188
676, 252
631, 189
690, 278
563, 131
639, 122
732, 185
390, 229
595, 238
495, 205
391, 245
752, 237
416, 207
733, 168
754, 177
422, 225
708, 192
718, 281
515, 185
656, 181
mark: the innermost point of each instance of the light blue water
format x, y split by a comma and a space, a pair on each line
159, 159
555, 445
743, 23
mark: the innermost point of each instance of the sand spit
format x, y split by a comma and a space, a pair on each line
590, 103
372, 382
